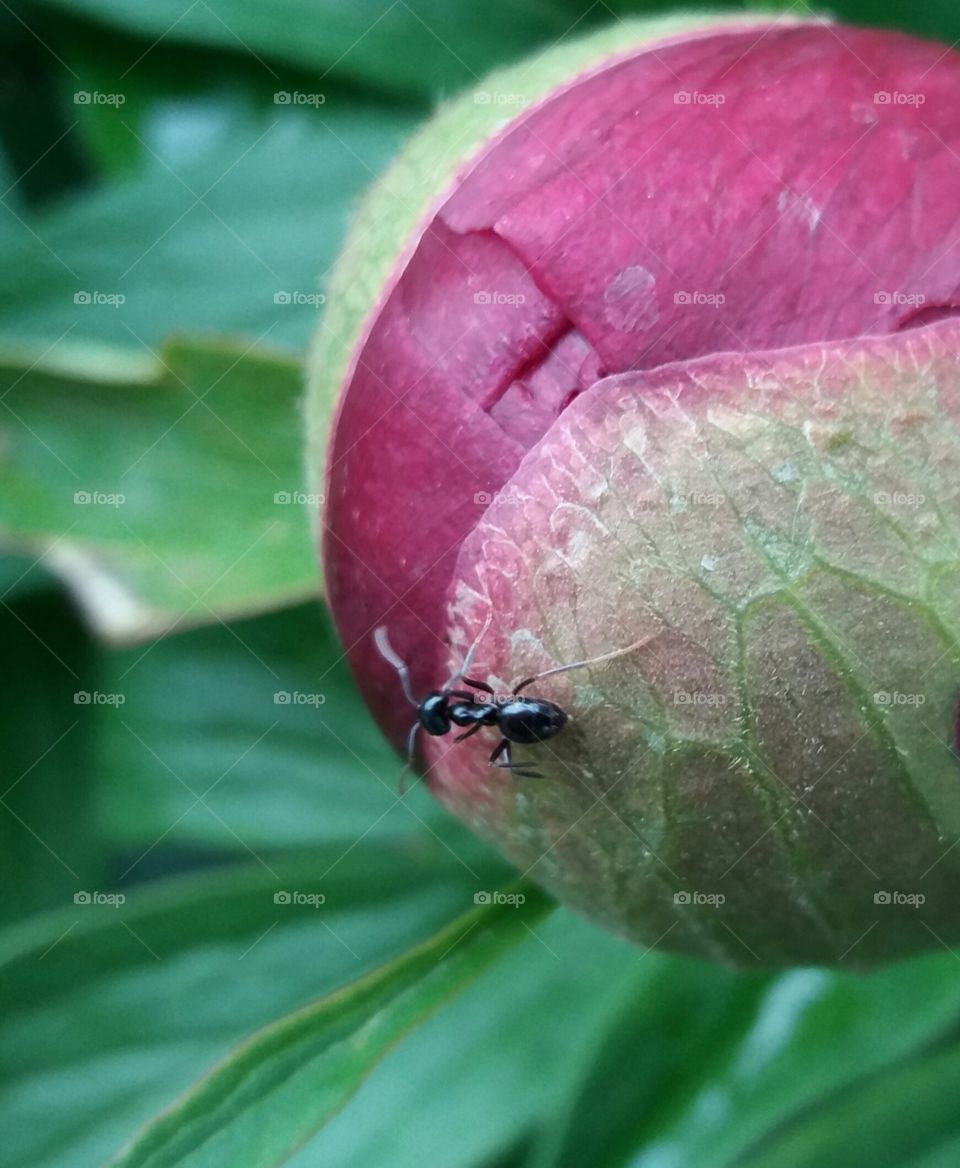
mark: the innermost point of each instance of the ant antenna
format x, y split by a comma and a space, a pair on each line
471, 653
580, 664
389, 654
411, 743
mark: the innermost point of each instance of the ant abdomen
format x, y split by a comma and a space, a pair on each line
527, 720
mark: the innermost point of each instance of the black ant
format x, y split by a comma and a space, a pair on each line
520, 720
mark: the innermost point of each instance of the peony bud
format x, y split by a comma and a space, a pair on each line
651, 341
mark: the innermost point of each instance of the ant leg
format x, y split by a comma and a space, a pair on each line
481, 685
469, 733
520, 769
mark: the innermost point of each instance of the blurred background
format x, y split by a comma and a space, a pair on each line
199, 823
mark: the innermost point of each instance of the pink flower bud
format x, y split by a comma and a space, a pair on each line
651, 341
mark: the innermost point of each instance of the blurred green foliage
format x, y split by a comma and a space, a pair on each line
187, 769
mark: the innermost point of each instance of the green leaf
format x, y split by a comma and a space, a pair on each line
230, 227
495, 1064
678, 1025
906, 1117
812, 1034
252, 735
420, 47
112, 1011
260, 1104
163, 489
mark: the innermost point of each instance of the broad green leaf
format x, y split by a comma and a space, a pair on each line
230, 228
904, 1118
418, 47
679, 1023
112, 1011
252, 735
164, 488
259, 1105
492, 1066
815, 1033
48, 825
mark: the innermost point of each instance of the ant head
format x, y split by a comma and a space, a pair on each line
433, 713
